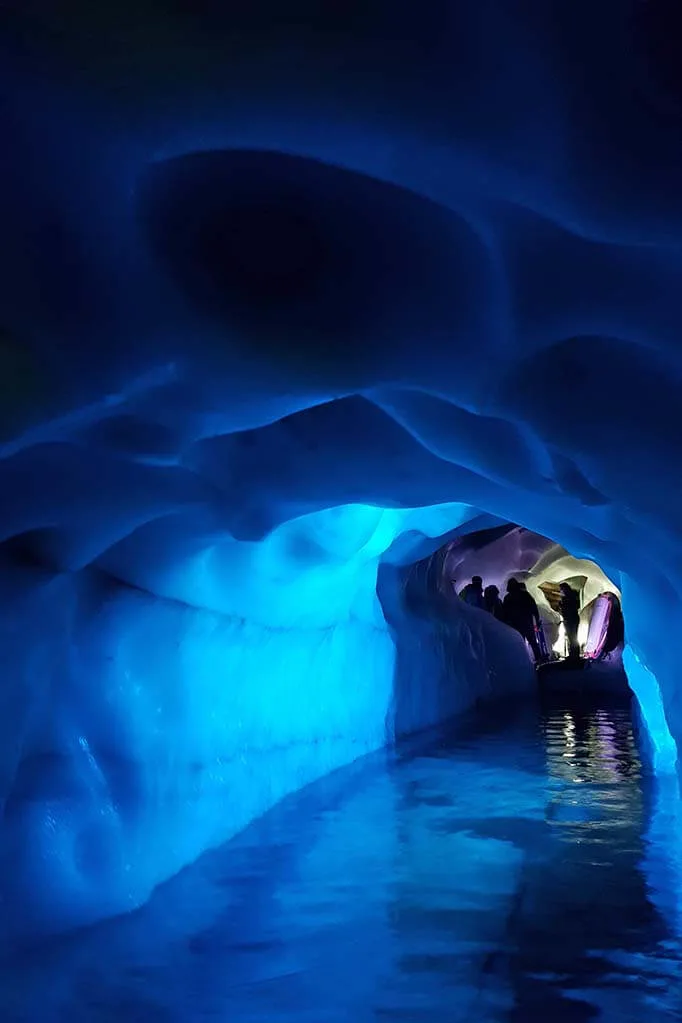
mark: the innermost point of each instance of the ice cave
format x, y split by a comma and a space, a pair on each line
311, 313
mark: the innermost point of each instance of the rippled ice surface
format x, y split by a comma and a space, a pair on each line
520, 871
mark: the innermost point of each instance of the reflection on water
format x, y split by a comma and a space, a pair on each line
520, 872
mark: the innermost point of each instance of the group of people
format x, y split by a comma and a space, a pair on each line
520, 611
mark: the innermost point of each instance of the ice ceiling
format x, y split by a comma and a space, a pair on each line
284, 296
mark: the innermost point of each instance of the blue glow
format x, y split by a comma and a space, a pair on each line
268, 309
662, 859
268, 665
647, 690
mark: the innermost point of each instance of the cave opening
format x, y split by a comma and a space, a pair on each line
508, 552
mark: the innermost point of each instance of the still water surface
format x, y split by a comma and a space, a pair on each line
523, 870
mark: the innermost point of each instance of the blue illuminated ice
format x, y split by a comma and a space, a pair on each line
162, 728
646, 689
283, 306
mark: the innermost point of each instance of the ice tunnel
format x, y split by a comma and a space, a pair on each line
289, 304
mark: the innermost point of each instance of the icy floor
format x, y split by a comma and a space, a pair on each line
494, 877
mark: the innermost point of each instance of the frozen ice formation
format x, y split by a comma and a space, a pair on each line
288, 297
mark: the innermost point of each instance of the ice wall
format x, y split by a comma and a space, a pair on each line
155, 731
259, 265
449, 657
141, 731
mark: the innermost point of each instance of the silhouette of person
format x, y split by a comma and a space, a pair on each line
532, 620
492, 602
570, 613
521, 612
472, 593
